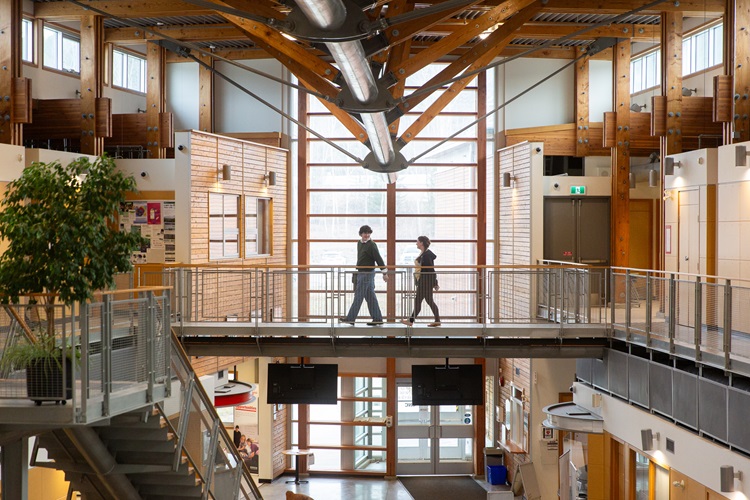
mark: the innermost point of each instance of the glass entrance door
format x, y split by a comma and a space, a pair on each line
433, 439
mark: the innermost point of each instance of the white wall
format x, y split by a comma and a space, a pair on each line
182, 94
600, 90
236, 111
182, 190
550, 103
694, 456
14, 161
159, 174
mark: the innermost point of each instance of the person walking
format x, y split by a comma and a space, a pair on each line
364, 279
237, 436
425, 281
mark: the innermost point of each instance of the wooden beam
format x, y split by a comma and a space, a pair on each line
477, 59
206, 94
636, 32
688, 7
582, 106
139, 8
92, 81
621, 157
11, 130
193, 33
440, 48
742, 72
481, 180
303, 205
155, 98
299, 61
729, 30
671, 83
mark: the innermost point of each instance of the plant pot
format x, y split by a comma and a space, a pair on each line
44, 381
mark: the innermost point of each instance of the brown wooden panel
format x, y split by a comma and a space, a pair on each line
609, 137
166, 130
54, 119
128, 130
103, 117
21, 101
723, 97
697, 117
640, 134
658, 115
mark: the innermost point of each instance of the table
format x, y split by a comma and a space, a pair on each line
296, 454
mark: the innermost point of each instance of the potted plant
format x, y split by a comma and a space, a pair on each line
59, 222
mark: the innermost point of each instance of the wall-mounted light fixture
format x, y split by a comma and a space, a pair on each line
139, 110
670, 164
727, 477
631, 178
226, 172
653, 178
648, 438
507, 179
740, 156
270, 178
688, 92
78, 94
637, 108
679, 484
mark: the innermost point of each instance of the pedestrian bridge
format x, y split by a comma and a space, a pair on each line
547, 310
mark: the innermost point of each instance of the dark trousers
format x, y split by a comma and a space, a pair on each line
424, 292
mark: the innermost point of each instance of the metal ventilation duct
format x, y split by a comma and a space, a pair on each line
350, 58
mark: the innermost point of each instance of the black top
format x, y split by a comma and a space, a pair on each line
368, 255
427, 261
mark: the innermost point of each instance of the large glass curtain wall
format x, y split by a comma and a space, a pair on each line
437, 196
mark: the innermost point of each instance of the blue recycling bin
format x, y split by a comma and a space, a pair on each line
497, 474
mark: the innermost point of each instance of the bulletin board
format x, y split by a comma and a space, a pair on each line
155, 221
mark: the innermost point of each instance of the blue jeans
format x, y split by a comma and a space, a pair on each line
365, 290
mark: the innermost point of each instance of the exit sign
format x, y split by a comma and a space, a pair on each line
577, 189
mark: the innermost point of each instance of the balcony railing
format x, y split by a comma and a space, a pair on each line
117, 347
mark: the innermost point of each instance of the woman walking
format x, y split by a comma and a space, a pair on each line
426, 282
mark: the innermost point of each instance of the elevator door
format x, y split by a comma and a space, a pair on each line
577, 230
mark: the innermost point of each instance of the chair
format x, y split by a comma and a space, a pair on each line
290, 495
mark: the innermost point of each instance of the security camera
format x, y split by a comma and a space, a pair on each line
538, 149
144, 173
180, 147
556, 185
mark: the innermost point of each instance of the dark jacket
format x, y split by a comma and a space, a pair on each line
426, 267
368, 255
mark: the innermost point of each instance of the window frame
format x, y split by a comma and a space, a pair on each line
28, 40
127, 56
263, 226
642, 59
226, 232
710, 31
63, 35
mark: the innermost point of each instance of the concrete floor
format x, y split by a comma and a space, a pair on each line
338, 488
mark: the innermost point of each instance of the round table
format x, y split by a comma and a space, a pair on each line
296, 454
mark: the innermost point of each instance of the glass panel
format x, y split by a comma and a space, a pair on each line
641, 477
465, 102
347, 203
71, 55
118, 63
345, 177
436, 203
454, 414
326, 459
414, 450
409, 414
455, 228
448, 252
444, 125
322, 152
135, 75
52, 39
345, 228
456, 450
329, 126
454, 151
448, 177
27, 36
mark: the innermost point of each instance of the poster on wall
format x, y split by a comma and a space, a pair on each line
246, 418
155, 221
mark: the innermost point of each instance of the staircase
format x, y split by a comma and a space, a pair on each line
142, 448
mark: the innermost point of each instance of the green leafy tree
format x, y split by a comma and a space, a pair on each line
60, 224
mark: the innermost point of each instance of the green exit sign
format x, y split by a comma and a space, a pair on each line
577, 189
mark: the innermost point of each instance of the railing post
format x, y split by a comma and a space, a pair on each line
165, 342
184, 419
728, 325
672, 311
180, 298
106, 352
648, 308
698, 317
210, 466
85, 382
150, 348
628, 335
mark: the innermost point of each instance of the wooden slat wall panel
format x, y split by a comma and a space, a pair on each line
722, 98
640, 134
208, 365
103, 116
21, 101
166, 130
128, 129
54, 119
658, 115
249, 162
610, 130
559, 140
697, 117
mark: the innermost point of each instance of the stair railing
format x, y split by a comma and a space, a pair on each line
214, 457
